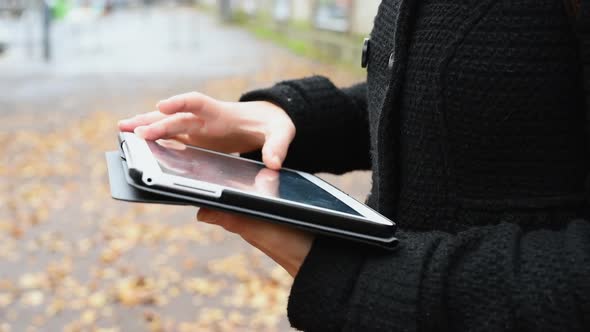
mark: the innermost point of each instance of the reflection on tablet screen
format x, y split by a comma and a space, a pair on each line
192, 163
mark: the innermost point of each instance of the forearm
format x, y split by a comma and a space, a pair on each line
332, 132
494, 278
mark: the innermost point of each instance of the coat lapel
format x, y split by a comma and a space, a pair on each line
384, 117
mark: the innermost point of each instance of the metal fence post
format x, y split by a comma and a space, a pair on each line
46, 31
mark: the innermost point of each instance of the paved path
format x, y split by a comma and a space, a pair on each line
153, 51
73, 259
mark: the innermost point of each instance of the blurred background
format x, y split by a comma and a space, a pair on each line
73, 259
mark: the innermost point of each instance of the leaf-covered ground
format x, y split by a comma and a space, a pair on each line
73, 259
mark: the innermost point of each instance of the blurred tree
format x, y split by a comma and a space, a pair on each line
60, 9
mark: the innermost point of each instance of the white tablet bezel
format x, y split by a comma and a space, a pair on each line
140, 158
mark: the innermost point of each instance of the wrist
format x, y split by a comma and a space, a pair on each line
296, 259
289, 250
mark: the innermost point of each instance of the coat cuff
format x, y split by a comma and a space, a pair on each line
298, 98
342, 286
283, 95
389, 290
323, 287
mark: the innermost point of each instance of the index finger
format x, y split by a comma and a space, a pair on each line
192, 102
140, 120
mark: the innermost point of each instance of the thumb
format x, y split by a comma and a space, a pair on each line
275, 148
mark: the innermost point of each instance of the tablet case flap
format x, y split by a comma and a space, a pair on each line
121, 190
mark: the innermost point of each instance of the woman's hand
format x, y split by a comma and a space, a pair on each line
200, 120
286, 246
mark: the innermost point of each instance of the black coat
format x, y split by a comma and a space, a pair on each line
472, 121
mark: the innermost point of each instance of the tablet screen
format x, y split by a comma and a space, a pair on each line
201, 165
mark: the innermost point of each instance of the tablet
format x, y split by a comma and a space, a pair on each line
228, 182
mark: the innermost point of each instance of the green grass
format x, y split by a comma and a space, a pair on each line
297, 38
204, 7
297, 46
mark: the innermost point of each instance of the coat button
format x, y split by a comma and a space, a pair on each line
365, 57
391, 61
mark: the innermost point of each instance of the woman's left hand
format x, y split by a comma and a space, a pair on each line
285, 245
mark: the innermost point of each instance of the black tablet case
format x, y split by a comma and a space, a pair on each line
124, 188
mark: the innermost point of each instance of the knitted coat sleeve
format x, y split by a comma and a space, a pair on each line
332, 130
492, 278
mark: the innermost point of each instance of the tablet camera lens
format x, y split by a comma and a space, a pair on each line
149, 180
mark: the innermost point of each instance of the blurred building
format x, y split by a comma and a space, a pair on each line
347, 16
13, 7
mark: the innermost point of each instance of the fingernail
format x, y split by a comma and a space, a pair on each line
276, 160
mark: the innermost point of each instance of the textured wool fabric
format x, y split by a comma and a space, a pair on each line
472, 120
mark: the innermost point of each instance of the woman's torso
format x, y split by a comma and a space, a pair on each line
476, 113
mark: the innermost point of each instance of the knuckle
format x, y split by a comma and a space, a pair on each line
288, 131
159, 130
232, 225
185, 123
193, 98
207, 215
185, 119
229, 226
193, 94
139, 117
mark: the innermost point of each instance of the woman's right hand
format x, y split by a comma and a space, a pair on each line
197, 119
200, 120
